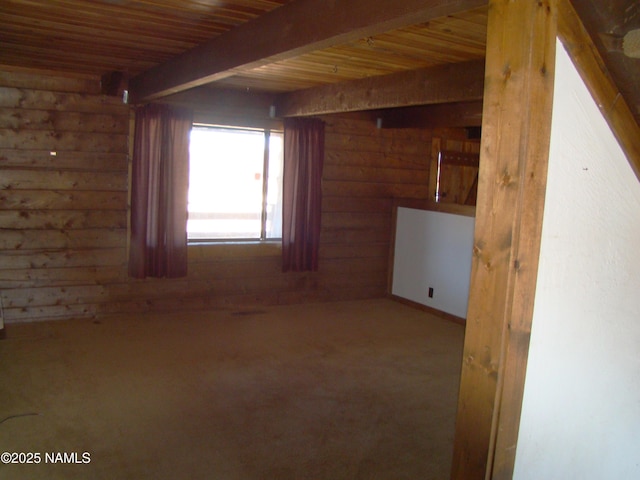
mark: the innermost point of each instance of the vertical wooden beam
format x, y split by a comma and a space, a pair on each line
513, 164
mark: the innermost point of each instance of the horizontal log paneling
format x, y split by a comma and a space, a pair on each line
365, 168
355, 219
61, 239
63, 231
62, 219
369, 250
89, 84
238, 269
63, 195
35, 259
56, 140
377, 159
21, 119
354, 235
64, 160
389, 190
367, 174
73, 102
63, 180
61, 200
371, 143
228, 251
350, 204
13, 280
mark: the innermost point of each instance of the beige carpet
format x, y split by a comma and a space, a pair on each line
348, 390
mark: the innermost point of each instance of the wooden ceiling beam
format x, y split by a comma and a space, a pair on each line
457, 82
223, 106
461, 114
296, 28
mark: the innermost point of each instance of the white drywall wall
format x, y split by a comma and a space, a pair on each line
581, 410
433, 249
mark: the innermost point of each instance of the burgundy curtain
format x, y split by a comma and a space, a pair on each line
159, 187
302, 193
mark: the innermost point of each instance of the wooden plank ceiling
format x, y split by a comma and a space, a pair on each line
94, 37
452, 39
100, 36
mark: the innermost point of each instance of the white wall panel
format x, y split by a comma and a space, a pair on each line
433, 249
581, 409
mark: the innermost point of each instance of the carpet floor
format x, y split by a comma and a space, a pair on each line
346, 390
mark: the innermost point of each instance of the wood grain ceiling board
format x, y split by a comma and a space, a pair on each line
94, 37
452, 39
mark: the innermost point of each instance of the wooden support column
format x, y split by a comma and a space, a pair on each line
513, 165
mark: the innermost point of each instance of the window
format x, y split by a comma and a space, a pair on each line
235, 184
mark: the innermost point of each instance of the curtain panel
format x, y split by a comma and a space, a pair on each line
302, 193
159, 189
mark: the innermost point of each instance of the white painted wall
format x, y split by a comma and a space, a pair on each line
581, 409
433, 249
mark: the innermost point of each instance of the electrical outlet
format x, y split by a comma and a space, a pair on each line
430, 292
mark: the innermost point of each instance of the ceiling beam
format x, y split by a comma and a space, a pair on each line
457, 82
298, 27
461, 114
224, 106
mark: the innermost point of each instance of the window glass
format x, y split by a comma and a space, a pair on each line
274, 187
231, 184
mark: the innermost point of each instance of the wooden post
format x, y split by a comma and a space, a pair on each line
513, 165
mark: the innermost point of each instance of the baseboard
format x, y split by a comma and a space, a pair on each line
426, 308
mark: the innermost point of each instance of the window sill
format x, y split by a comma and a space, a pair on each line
199, 243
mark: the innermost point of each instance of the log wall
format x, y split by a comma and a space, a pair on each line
63, 196
63, 212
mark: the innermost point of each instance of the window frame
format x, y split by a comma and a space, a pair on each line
262, 239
